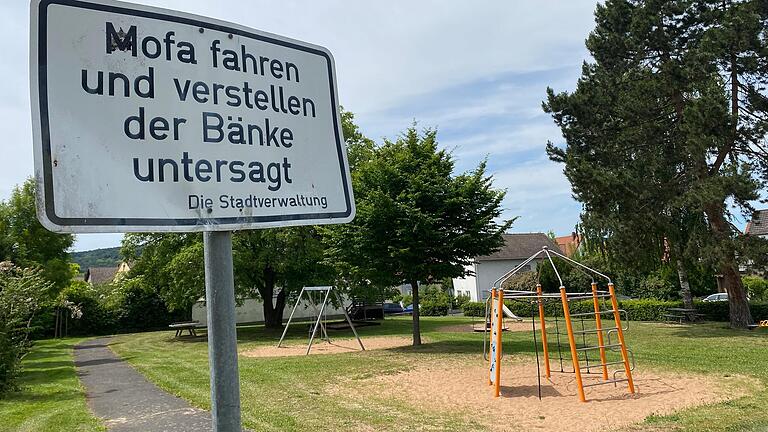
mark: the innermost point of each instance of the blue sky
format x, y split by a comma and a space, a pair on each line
499, 118
476, 71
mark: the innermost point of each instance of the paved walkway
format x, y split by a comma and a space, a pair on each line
126, 400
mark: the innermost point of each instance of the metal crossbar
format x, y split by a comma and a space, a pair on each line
611, 381
589, 331
592, 366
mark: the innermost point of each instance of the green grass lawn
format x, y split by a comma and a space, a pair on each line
51, 397
286, 393
291, 393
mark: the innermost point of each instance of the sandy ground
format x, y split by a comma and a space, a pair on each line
335, 347
465, 388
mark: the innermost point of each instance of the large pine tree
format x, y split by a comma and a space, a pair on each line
666, 128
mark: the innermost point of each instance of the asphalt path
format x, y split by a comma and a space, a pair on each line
126, 401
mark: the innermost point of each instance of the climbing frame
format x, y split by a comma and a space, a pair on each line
596, 338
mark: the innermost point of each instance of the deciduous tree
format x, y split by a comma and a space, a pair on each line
416, 221
25, 242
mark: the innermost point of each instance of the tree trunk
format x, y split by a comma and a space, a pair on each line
685, 287
416, 326
276, 320
738, 305
273, 313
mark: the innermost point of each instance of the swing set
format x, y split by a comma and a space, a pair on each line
594, 336
317, 298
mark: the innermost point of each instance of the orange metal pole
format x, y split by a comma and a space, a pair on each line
620, 332
490, 324
500, 312
572, 343
599, 330
543, 331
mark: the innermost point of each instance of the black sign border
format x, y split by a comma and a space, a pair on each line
42, 71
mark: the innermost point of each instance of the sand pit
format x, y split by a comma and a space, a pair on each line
336, 346
464, 388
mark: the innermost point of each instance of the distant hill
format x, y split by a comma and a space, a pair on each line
108, 257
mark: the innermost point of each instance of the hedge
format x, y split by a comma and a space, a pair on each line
473, 309
638, 310
434, 308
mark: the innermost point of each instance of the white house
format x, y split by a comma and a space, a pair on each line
486, 269
252, 311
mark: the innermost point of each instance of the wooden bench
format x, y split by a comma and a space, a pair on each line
681, 314
189, 326
674, 317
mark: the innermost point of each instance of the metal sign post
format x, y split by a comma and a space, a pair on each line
222, 333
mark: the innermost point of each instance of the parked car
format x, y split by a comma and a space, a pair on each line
716, 297
392, 308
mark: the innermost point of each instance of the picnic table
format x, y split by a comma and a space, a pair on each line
680, 314
189, 326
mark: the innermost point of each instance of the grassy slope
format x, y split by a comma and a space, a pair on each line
286, 393
51, 398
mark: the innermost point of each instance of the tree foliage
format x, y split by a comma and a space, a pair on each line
170, 264
25, 242
107, 257
666, 127
416, 220
268, 264
275, 264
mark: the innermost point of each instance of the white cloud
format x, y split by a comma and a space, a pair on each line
539, 193
504, 141
533, 181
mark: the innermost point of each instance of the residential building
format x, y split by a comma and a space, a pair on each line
758, 226
569, 244
105, 275
486, 269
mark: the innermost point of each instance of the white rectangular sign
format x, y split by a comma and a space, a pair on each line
147, 119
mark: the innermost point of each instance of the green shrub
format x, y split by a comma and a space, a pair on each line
757, 287
21, 297
460, 300
435, 301
648, 309
405, 299
96, 316
473, 309
525, 281
638, 310
433, 308
142, 308
759, 311
661, 284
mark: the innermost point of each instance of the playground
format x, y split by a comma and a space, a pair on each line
586, 371
702, 377
593, 370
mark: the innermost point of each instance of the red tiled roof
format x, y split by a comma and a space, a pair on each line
759, 223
